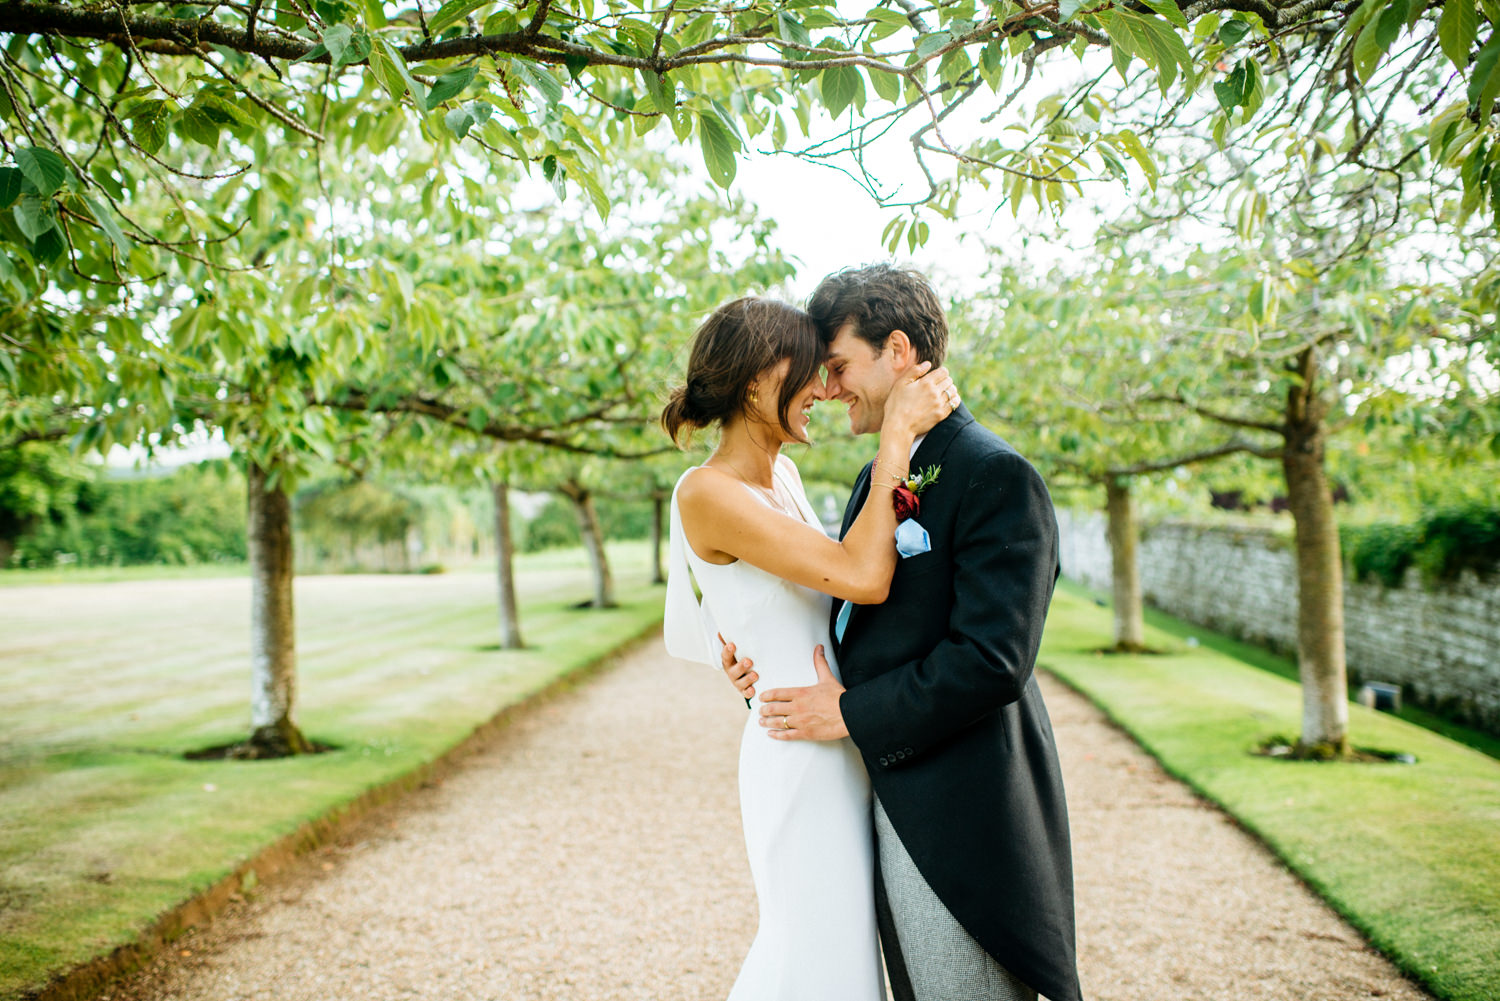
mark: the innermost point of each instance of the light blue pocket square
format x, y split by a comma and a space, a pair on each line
911, 538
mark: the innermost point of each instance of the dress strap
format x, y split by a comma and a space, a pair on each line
687, 626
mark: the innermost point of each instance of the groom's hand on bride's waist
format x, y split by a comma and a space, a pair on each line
810, 713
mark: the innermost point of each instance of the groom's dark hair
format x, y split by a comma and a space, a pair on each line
878, 299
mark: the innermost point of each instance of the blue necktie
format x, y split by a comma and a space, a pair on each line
842, 622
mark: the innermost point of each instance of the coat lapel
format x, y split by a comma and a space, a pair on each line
930, 452
851, 511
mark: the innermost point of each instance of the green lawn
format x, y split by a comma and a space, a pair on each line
1410, 854
103, 825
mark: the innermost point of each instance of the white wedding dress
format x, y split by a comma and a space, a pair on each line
805, 805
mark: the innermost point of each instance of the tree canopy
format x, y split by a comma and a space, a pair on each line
102, 105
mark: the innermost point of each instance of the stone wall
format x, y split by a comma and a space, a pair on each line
1440, 643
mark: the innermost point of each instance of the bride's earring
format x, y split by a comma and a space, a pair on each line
754, 396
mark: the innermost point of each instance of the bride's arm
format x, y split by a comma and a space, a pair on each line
722, 517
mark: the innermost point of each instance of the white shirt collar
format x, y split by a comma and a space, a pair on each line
916, 442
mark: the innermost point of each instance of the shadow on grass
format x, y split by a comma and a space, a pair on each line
1283, 749
243, 750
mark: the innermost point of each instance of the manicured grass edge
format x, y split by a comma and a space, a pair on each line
1307, 878
87, 981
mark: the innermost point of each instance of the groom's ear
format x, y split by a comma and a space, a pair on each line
903, 354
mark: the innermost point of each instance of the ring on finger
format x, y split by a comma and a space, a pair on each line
786, 722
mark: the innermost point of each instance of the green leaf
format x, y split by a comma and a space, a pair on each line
663, 91
34, 216
1141, 155
719, 146
10, 186
398, 63
50, 246
225, 112
1484, 83
195, 124
385, 73
316, 52
43, 168
453, 12
1456, 30
1443, 127
1151, 38
839, 86
499, 134
884, 15
106, 220
682, 123
1231, 90
539, 79
932, 42
336, 39
459, 121
1169, 10
1231, 33
887, 85
1375, 38
590, 184
1258, 301
1388, 27
789, 29
102, 175
148, 124
1067, 9
450, 85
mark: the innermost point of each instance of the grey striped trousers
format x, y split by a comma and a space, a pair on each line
928, 954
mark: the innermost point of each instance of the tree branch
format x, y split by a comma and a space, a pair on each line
1229, 419
456, 417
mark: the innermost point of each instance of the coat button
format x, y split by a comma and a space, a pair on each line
900, 755
884, 761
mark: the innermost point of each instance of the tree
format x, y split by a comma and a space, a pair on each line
1288, 349
1067, 360
38, 482
97, 102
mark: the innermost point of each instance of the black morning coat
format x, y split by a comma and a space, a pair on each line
943, 707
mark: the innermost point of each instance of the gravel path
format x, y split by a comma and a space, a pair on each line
593, 853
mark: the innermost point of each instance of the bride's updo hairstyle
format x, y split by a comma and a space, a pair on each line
738, 342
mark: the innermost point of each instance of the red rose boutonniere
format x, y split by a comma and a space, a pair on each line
907, 496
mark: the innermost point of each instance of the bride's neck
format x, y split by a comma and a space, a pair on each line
750, 450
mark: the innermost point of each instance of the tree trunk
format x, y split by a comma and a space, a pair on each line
505, 550
273, 652
658, 513
1320, 573
1125, 572
593, 543
7, 550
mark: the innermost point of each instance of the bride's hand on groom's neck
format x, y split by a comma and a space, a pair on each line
920, 400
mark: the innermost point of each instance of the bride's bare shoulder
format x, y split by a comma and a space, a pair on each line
704, 487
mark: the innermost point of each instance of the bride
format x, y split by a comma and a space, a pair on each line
742, 527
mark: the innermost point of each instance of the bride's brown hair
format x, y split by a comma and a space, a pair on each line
739, 341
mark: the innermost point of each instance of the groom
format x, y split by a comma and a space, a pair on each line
975, 882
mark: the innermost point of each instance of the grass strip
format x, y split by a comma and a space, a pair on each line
105, 828
1408, 854
1268, 660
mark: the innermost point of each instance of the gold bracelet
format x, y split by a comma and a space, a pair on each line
899, 479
